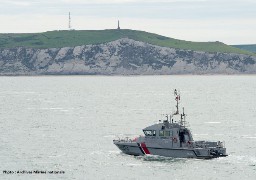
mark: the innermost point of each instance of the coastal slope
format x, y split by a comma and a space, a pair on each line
124, 56
59, 39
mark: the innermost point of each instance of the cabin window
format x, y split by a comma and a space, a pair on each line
161, 133
149, 132
164, 133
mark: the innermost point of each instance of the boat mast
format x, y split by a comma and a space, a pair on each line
182, 116
177, 98
183, 120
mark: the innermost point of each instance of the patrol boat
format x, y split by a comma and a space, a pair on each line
171, 138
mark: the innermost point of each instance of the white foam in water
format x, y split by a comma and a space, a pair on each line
212, 122
114, 152
248, 137
109, 136
56, 108
133, 164
97, 153
201, 134
64, 110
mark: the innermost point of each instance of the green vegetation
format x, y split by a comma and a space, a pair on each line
72, 38
248, 47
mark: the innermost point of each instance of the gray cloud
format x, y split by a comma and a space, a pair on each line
202, 9
214, 14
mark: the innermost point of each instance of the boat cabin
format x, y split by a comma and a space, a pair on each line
173, 132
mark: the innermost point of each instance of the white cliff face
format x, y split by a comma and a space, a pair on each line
121, 57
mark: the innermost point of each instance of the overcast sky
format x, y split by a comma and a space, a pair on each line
228, 21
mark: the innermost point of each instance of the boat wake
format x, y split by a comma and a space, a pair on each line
157, 158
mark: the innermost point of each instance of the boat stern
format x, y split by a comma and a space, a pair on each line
215, 148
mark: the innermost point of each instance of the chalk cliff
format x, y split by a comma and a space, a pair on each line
121, 57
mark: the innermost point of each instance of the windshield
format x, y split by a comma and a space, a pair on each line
149, 132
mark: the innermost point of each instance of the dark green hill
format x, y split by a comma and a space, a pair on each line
247, 47
72, 38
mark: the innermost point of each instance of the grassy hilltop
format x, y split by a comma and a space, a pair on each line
52, 39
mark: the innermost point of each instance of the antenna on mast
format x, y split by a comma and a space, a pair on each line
177, 98
69, 21
183, 118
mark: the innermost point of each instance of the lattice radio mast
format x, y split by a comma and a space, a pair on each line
69, 21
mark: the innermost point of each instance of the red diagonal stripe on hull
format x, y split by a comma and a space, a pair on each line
144, 147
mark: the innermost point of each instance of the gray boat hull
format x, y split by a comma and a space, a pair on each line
139, 149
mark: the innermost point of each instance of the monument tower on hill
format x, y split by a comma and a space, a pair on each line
118, 27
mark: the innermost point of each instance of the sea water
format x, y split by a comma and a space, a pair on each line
62, 127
